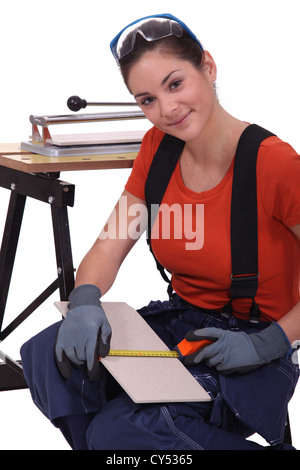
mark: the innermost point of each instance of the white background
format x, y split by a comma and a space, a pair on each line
52, 50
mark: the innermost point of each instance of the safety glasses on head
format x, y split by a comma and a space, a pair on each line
151, 28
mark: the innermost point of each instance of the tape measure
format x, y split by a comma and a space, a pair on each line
135, 353
184, 348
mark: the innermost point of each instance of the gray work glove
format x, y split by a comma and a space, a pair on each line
84, 334
237, 352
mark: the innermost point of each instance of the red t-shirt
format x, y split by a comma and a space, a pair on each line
201, 267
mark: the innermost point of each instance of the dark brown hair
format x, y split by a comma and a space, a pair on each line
184, 48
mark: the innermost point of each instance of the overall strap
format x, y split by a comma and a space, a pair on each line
160, 172
244, 227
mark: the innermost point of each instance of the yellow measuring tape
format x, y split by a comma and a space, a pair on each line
135, 353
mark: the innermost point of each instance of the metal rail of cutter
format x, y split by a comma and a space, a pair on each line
41, 142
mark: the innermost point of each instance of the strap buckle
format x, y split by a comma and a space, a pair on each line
227, 310
254, 314
244, 285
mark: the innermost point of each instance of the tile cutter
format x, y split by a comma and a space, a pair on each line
44, 143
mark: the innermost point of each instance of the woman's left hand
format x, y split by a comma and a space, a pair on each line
237, 352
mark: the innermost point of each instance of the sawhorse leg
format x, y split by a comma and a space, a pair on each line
61, 232
59, 195
9, 246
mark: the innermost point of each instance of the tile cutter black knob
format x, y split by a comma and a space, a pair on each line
75, 103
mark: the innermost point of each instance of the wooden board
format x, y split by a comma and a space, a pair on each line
34, 163
145, 379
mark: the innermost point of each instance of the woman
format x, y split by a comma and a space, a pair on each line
247, 369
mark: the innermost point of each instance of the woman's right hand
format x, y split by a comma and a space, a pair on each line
84, 334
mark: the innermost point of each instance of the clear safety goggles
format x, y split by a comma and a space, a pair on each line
151, 28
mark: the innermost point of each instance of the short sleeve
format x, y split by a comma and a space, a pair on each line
137, 179
279, 181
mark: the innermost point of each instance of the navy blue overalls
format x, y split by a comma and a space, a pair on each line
100, 415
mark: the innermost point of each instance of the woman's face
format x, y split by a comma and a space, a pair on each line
175, 96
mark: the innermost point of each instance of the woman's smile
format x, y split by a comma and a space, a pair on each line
181, 121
